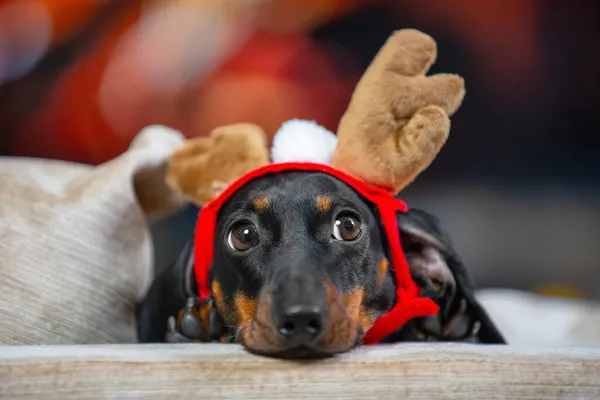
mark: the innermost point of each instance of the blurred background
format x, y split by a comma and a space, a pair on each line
517, 185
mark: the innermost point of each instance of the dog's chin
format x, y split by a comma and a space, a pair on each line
303, 352
294, 353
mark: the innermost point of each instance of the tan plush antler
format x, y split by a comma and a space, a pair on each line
203, 167
398, 118
395, 125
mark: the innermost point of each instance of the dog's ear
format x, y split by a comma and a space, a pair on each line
203, 167
398, 118
437, 268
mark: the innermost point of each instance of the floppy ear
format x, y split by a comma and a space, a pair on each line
203, 167
437, 268
398, 118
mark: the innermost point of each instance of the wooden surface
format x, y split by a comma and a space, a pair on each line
201, 371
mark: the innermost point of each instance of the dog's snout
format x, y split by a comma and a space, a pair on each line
300, 308
300, 325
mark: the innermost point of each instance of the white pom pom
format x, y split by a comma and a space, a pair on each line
303, 141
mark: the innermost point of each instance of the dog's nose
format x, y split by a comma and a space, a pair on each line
301, 326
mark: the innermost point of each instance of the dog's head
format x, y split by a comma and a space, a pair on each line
300, 266
298, 260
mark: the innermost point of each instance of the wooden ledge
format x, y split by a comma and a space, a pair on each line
213, 371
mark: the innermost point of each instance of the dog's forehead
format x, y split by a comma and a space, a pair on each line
291, 187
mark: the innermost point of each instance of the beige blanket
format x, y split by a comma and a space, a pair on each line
75, 249
528, 319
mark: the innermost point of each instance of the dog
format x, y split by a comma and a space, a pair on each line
301, 270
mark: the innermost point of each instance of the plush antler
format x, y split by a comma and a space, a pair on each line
395, 125
398, 119
203, 167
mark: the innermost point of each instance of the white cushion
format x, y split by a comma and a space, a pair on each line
75, 248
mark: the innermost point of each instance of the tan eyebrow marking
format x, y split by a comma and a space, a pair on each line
323, 203
261, 204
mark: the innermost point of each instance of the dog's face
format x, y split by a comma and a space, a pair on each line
300, 268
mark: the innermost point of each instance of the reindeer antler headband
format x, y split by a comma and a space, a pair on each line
395, 125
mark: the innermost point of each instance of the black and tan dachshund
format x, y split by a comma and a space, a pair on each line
312, 250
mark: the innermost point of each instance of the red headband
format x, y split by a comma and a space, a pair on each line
408, 303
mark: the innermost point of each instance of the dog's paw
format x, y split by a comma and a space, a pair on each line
456, 325
189, 325
173, 335
454, 321
197, 322
192, 323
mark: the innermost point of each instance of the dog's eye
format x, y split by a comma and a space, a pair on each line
242, 237
346, 228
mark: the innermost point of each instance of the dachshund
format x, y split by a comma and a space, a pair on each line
301, 270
